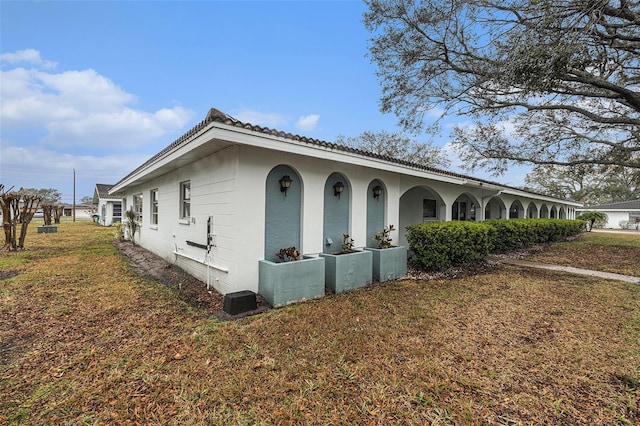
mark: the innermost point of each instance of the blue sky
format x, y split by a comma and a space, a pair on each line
99, 87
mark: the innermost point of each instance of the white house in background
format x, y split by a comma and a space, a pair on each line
625, 212
109, 206
227, 194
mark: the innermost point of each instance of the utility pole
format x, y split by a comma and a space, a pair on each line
74, 195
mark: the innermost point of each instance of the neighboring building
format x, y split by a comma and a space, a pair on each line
83, 211
227, 194
625, 214
109, 206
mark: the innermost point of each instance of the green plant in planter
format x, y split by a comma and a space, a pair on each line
288, 254
347, 244
383, 238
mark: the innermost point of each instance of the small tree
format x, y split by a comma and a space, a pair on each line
592, 217
17, 208
132, 224
47, 212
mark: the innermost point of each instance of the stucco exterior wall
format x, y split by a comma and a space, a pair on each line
230, 187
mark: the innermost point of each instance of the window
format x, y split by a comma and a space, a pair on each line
154, 206
428, 209
185, 200
137, 207
459, 210
117, 212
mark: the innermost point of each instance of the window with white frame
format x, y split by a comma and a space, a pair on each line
137, 207
153, 200
185, 199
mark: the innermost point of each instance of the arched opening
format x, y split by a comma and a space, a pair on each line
337, 196
495, 209
544, 212
553, 213
516, 211
465, 207
417, 205
562, 214
532, 211
376, 202
283, 211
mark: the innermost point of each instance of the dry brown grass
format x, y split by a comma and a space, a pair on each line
608, 252
86, 340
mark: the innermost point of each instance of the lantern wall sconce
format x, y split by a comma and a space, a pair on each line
338, 188
377, 190
285, 184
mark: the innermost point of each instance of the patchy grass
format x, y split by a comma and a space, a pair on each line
608, 252
86, 340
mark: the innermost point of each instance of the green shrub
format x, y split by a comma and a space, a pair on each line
515, 234
440, 245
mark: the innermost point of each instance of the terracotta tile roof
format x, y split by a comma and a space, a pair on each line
215, 115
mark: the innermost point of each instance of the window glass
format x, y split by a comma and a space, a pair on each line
154, 206
185, 200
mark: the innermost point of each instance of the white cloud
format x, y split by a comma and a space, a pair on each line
29, 56
79, 108
307, 123
273, 120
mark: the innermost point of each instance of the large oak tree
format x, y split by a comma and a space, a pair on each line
543, 81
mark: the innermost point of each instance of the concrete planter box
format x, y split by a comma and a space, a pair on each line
289, 282
389, 263
47, 229
348, 271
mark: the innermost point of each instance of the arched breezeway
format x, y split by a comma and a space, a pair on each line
544, 212
417, 205
495, 209
516, 210
465, 207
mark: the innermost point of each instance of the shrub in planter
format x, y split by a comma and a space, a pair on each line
389, 262
294, 279
438, 246
349, 269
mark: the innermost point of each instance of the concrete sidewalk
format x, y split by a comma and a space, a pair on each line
605, 275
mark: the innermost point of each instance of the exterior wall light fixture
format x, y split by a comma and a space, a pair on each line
338, 188
285, 184
377, 190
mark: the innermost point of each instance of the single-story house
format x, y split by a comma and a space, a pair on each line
83, 211
228, 195
620, 215
109, 206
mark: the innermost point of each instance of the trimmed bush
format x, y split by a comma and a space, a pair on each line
440, 245
515, 234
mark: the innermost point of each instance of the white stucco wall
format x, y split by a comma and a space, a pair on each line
229, 187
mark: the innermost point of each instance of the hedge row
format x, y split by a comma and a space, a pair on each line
519, 233
438, 246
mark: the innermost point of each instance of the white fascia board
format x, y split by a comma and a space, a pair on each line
165, 159
525, 194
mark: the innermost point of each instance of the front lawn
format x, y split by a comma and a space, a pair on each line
608, 252
85, 340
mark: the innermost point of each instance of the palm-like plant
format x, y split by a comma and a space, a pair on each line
592, 217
